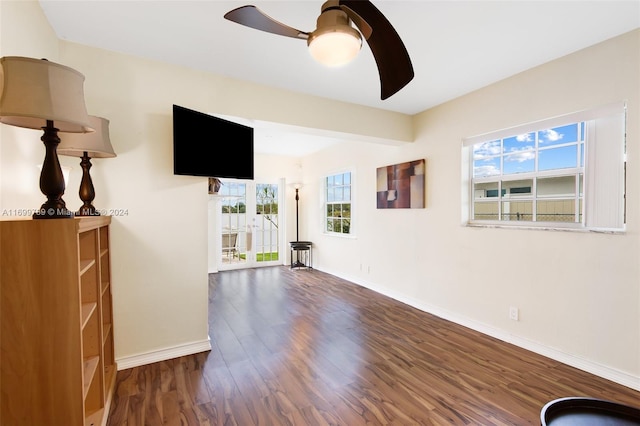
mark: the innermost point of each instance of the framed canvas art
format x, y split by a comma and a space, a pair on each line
401, 186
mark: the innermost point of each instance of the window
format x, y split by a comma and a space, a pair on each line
566, 172
338, 203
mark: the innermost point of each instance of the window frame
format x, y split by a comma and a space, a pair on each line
326, 203
585, 185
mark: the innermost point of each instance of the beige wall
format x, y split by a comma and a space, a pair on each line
160, 241
578, 293
582, 307
166, 221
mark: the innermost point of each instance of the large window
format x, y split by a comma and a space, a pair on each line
566, 172
338, 194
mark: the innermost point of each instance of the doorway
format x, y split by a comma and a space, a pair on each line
249, 227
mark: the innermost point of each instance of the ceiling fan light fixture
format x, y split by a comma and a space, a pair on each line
337, 39
335, 46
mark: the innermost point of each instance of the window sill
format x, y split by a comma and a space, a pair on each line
546, 227
336, 235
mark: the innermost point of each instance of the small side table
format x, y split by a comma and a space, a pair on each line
302, 251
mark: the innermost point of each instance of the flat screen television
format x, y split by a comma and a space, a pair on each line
204, 145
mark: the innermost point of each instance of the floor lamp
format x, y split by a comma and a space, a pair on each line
297, 186
38, 94
88, 146
297, 263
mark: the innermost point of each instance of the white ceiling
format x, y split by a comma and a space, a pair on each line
455, 46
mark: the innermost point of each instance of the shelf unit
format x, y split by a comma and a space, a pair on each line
56, 340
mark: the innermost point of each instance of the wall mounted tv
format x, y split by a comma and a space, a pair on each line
204, 145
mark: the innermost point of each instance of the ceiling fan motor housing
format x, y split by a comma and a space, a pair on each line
334, 32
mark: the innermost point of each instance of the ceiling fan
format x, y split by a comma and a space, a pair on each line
335, 41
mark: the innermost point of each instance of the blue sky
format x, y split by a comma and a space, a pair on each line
519, 154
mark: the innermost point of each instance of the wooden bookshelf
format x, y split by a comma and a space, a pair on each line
56, 340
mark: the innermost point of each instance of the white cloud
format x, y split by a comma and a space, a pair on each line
486, 170
485, 150
550, 135
521, 156
527, 137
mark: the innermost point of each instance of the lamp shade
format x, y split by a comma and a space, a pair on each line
34, 91
96, 144
335, 46
334, 42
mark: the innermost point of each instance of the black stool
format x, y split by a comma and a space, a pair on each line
302, 250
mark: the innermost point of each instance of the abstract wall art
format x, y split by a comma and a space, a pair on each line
401, 186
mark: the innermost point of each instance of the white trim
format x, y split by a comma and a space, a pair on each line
591, 367
163, 354
603, 195
545, 226
352, 203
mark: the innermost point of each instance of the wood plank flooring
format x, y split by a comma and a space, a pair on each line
307, 348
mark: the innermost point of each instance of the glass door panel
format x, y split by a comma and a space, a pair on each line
233, 225
267, 225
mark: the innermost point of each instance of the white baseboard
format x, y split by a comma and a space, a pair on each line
126, 362
599, 370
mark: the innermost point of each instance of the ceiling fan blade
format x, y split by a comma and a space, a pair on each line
389, 52
253, 17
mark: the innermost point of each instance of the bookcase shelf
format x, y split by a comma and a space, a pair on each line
56, 323
86, 264
90, 367
87, 310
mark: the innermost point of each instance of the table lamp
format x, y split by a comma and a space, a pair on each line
39, 94
88, 146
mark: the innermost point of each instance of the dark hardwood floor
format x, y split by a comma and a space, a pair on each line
306, 348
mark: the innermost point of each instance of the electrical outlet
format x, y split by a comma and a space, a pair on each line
513, 313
